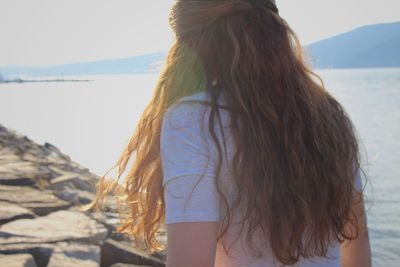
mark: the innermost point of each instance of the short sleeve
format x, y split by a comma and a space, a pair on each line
357, 181
188, 168
358, 185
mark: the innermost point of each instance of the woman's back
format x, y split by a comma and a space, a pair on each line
186, 126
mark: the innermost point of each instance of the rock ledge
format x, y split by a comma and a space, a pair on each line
40, 223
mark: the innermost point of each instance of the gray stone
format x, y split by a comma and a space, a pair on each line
72, 181
113, 252
40, 202
75, 196
64, 181
110, 219
75, 254
17, 260
10, 212
82, 180
7, 156
128, 265
18, 167
15, 179
57, 226
18, 172
40, 252
27, 150
57, 254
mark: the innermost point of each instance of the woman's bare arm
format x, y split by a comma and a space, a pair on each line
357, 252
191, 244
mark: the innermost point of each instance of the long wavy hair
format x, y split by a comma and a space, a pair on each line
297, 148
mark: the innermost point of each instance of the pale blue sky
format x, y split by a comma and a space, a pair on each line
45, 32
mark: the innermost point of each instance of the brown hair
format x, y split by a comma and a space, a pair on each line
296, 145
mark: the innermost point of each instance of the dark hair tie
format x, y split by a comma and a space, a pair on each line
258, 4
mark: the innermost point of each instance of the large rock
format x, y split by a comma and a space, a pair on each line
111, 220
113, 252
128, 265
19, 145
17, 260
10, 212
75, 196
57, 254
40, 252
57, 226
40, 202
24, 162
72, 181
75, 254
16, 172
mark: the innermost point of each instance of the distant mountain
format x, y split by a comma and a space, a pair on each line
132, 65
366, 47
370, 46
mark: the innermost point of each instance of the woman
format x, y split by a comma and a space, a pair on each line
241, 152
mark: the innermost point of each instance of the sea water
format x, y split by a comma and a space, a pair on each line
92, 122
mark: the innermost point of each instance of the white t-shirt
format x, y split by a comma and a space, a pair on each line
187, 153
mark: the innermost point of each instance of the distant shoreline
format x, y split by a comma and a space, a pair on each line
46, 80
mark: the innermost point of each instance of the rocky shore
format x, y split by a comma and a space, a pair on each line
41, 190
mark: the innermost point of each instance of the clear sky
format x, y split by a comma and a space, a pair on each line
43, 32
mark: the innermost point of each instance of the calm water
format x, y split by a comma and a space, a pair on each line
92, 121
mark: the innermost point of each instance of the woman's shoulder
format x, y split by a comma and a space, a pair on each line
202, 95
194, 108
186, 109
